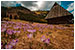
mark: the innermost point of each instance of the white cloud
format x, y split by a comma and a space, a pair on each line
43, 5
32, 5
59, 2
38, 5
8, 3
72, 12
71, 7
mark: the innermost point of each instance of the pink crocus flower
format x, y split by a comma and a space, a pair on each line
29, 35
9, 31
40, 29
47, 41
8, 46
43, 38
3, 21
16, 40
9, 26
51, 26
3, 29
18, 31
1, 44
16, 27
31, 31
13, 42
14, 31
72, 31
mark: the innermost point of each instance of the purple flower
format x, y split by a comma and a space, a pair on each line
58, 27
29, 35
20, 27
13, 22
13, 42
47, 41
16, 27
23, 24
3, 29
24, 29
9, 26
8, 46
31, 31
4, 25
3, 21
14, 31
41, 30
1, 44
72, 31
16, 40
43, 38
9, 31
51, 26
64, 27
18, 31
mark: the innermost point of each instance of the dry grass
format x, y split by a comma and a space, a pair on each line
60, 38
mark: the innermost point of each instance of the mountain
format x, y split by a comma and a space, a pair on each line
22, 13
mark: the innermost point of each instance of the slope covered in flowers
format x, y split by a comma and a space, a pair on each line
17, 34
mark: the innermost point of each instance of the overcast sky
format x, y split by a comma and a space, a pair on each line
40, 5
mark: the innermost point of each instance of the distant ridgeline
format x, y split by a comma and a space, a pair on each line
57, 14
21, 13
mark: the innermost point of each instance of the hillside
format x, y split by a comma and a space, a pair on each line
22, 13
18, 34
41, 13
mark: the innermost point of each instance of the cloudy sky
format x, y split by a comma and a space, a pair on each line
40, 5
